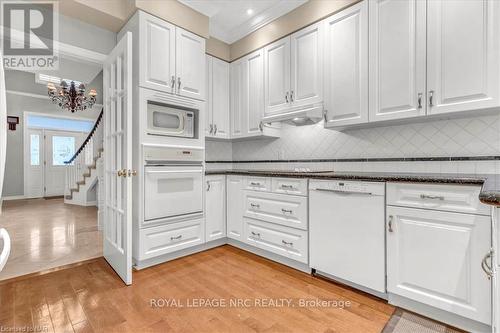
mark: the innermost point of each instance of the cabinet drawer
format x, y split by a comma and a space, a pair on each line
169, 238
289, 186
288, 210
288, 242
452, 198
258, 183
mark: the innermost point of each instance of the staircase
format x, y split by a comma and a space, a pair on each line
82, 170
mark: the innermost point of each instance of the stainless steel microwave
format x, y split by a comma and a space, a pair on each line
167, 120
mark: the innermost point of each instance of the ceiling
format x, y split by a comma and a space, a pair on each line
231, 20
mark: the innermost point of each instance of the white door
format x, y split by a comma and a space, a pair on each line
435, 258
235, 210
59, 147
215, 207
220, 98
397, 59
117, 238
346, 66
157, 48
236, 98
190, 64
277, 76
463, 59
253, 98
34, 158
307, 65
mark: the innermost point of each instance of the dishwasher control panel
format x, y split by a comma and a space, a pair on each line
376, 188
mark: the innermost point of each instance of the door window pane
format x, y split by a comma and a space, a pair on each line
63, 148
35, 149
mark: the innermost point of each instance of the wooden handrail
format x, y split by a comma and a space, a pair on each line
91, 133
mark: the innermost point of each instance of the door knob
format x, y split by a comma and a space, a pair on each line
132, 173
121, 173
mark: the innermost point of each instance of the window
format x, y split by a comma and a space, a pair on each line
35, 149
36, 121
63, 148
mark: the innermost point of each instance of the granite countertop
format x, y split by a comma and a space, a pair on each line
490, 193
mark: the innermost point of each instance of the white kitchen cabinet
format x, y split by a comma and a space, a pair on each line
397, 48
306, 78
293, 71
463, 58
217, 117
277, 76
215, 207
247, 98
156, 53
346, 66
435, 257
190, 64
167, 58
235, 210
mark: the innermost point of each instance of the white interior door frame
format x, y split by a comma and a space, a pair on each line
3, 128
26, 148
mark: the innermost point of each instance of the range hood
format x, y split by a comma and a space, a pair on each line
298, 116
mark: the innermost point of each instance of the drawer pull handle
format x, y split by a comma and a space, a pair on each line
256, 234
255, 184
175, 238
389, 223
287, 243
487, 267
254, 205
286, 211
287, 187
432, 197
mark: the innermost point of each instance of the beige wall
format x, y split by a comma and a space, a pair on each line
218, 48
308, 13
176, 13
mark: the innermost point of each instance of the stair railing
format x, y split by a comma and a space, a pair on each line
83, 158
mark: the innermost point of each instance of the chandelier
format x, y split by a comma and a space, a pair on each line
68, 97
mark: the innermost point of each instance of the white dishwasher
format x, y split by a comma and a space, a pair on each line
347, 232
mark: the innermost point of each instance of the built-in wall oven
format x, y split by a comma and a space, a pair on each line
173, 184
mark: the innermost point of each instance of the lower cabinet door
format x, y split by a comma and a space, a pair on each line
215, 207
287, 242
435, 258
169, 238
235, 210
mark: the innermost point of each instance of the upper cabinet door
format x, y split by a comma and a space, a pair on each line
209, 114
397, 59
236, 115
277, 76
346, 66
463, 55
190, 64
157, 53
220, 98
307, 65
254, 93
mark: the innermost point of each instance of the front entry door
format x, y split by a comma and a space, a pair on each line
59, 147
118, 159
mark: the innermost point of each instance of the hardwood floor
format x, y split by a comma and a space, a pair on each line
47, 234
91, 298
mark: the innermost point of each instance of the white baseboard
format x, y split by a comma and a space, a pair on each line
14, 197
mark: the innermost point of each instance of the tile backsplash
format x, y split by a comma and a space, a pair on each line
476, 136
472, 136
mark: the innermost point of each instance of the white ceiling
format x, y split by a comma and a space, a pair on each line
231, 20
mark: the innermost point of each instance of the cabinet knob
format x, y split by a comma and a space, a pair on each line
178, 84
431, 98
172, 85
215, 129
208, 185
419, 100
211, 128
286, 97
487, 268
291, 96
